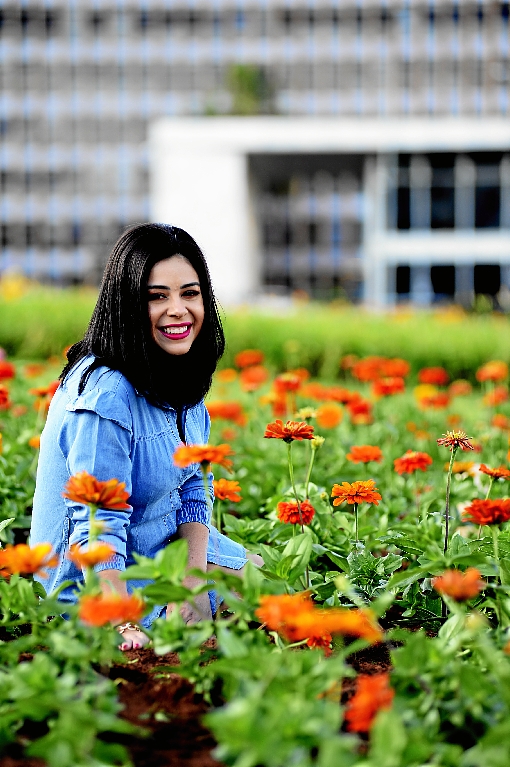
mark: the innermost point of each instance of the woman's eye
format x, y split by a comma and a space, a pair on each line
156, 296
191, 293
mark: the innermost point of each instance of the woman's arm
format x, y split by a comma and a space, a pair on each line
197, 536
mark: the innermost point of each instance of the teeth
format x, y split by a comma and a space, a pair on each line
176, 331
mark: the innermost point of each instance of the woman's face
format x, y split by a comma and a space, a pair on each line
176, 307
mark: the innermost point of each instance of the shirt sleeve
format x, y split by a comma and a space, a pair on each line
100, 446
195, 506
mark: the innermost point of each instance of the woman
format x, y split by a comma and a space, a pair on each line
132, 391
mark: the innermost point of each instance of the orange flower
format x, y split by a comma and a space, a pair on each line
411, 461
329, 415
495, 370
500, 473
226, 490
45, 391
185, 455
27, 559
7, 369
395, 368
302, 373
344, 396
5, 402
487, 511
295, 617
101, 609
287, 382
500, 421
315, 391
456, 439
227, 375
458, 585
228, 434
35, 441
373, 694
321, 643
361, 491
387, 387
360, 411
32, 370
460, 388
436, 401
364, 454
85, 488
436, 376
496, 397
460, 467
288, 512
92, 555
292, 430
248, 358
348, 361
252, 378
228, 411
368, 369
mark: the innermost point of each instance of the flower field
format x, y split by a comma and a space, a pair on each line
377, 633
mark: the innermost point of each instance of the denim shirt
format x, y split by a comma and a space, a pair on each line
110, 431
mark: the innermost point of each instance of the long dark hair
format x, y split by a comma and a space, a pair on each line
119, 333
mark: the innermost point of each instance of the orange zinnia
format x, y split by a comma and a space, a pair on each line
226, 490
101, 609
387, 387
460, 388
360, 411
227, 375
329, 415
495, 370
395, 368
373, 693
295, 617
7, 369
315, 391
458, 585
460, 467
496, 397
85, 488
287, 382
344, 396
411, 461
436, 376
500, 421
361, 491
456, 439
364, 454
436, 401
5, 402
185, 455
252, 378
249, 358
368, 369
27, 559
94, 554
35, 441
290, 431
288, 512
484, 511
500, 473
228, 411
45, 391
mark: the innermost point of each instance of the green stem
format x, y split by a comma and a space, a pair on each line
219, 515
309, 472
292, 482
490, 488
447, 507
495, 534
356, 521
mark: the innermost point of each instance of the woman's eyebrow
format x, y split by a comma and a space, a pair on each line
165, 287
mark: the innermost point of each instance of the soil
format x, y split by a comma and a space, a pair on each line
169, 710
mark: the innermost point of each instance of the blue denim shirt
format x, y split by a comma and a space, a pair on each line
111, 431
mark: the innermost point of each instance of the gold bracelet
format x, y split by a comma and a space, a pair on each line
127, 627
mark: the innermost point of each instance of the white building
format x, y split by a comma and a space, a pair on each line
385, 209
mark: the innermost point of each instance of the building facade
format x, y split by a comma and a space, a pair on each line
82, 80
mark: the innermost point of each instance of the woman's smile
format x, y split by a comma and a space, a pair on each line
176, 307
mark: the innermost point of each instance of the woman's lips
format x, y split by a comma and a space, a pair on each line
179, 331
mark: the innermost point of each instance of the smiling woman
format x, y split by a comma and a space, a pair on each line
131, 392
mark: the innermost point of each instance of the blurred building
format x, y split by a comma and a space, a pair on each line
82, 81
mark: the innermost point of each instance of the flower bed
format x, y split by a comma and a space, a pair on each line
375, 633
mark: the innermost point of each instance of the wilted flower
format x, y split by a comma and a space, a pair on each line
185, 455
361, 491
456, 439
101, 609
373, 693
85, 488
290, 431
458, 585
227, 490
93, 554
364, 454
412, 461
288, 512
484, 511
27, 559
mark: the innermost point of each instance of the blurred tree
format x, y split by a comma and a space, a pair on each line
250, 89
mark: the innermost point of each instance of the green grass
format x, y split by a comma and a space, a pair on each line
43, 321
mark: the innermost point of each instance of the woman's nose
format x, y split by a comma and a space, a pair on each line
176, 308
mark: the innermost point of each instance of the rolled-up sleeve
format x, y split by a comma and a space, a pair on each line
101, 447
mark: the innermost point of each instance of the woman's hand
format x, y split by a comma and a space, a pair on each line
130, 638
193, 614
